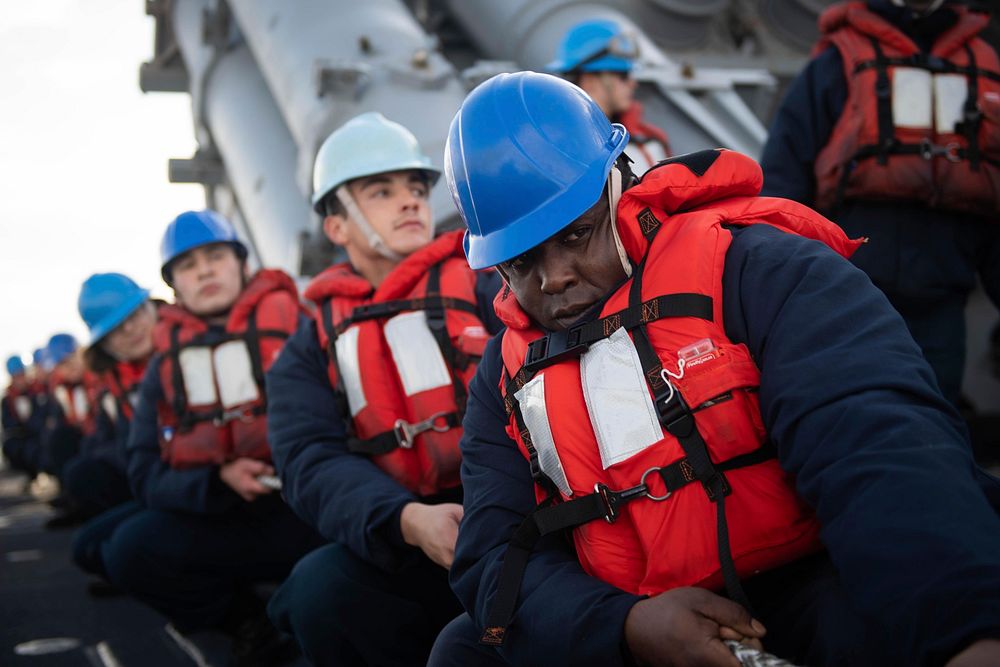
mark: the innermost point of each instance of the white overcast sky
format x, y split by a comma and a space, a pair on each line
83, 160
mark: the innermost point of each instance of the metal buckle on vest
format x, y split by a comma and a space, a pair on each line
231, 415
951, 151
556, 346
614, 499
406, 432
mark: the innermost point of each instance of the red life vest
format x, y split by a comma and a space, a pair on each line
648, 144
402, 356
912, 128
75, 399
19, 404
642, 426
119, 388
215, 402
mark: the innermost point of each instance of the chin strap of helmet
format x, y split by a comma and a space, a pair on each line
614, 196
376, 242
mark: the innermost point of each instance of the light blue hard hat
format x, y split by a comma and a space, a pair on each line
106, 300
598, 45
527, 154
365, 145
59, 348
193, 229
15, 365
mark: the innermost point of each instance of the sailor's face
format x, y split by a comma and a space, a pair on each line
132, 340
396, 206
207, 280
560, 279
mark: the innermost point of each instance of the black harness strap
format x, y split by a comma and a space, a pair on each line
883, 96
971, 115
574, 341
385, 309
931, 63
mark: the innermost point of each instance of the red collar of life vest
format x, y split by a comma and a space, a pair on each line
857, 16
689, 182
341, 280
634, 121
263, 283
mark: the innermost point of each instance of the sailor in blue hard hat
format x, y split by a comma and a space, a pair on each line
599, 55
602, 273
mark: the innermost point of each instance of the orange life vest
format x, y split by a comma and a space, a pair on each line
119, 389
75, 399
402, 356
215, 401
912, 128
642, 426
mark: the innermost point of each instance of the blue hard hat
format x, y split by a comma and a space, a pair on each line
15, 365
527, 154
38, 357
106, 300
595, 46
59, 348
194, 229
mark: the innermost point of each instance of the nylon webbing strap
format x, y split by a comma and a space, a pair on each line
388, 441
574, 341
339, 395
972, 116
678, 420
384, 309
438, 325
931, 63
549, 517
184, 420
253, 346
883, 97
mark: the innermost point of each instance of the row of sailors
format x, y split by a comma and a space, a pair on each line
690, 381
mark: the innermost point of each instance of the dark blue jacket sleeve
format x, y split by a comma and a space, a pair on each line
802, 126
565, 617
154, 483
854, 411
345, 496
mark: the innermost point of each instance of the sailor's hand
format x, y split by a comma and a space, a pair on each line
433, 529
241, 476
684, 627
984, 653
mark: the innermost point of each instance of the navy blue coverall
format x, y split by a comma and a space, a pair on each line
21, 438
907, 517
95, 478
925, 260
196, 546
370, 598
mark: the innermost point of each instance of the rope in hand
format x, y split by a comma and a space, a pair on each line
751, 657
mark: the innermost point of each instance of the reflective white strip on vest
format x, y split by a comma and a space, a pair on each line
531, 399
644, 155
81, 406
418, 358
950, 91
110, 406
618, 401
61, 394
911, 98
199, 380
22, 406
349, 366
234, 374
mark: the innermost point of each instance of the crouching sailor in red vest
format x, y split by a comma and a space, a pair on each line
198, 458
366, 406
696, 396
892, 130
